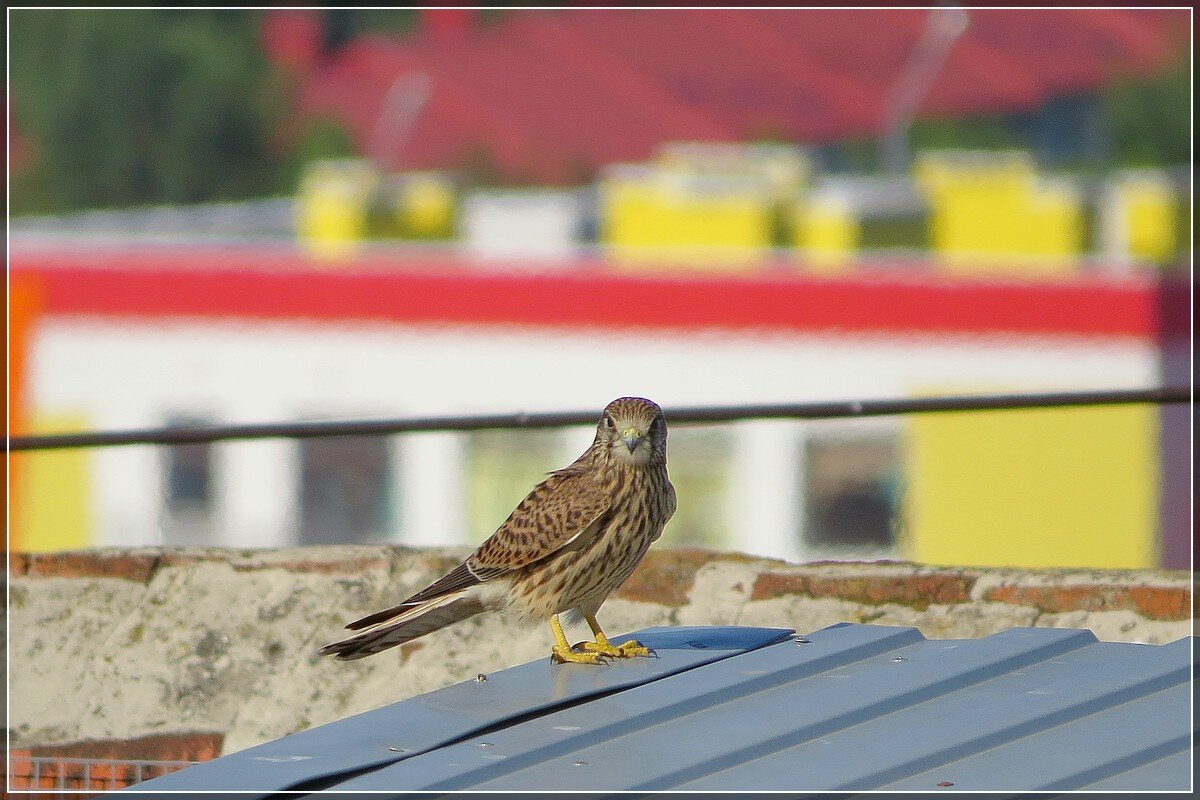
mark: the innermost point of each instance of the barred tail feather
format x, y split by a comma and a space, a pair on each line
413, 623
461, 577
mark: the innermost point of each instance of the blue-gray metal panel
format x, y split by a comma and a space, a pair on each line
423, 723
937, 732
682, 749
1113, 737
476, 761
1157, 776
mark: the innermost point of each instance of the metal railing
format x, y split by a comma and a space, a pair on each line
693, 415
60, 777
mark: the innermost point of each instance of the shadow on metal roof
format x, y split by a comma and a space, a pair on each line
847, 708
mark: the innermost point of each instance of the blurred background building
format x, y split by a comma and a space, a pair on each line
254, 216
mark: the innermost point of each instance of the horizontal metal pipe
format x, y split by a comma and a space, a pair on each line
832, 409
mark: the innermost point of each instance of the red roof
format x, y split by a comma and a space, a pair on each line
548, 94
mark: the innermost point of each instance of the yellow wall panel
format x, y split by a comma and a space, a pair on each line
648, 220
54, 487
828, 233
1034, 488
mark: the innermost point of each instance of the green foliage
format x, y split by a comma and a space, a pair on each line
322, 137
903, 232
858, 155
1144, 123
345, 24
144, 106
973, 133
1150, 118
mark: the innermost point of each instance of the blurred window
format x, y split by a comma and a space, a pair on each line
701, 466
344, 489
188, 489
502, 467
851, 496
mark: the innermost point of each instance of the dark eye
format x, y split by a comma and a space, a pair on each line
609, 423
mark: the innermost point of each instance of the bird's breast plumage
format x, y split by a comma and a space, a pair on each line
583, 574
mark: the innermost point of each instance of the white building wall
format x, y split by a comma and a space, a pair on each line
139, 374
766, 489
256, 493
430, 490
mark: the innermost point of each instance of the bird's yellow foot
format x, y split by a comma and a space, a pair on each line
630, 649
562, 655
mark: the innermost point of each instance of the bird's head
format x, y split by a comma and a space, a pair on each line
632, 432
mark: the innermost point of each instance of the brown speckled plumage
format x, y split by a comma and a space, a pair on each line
572, 541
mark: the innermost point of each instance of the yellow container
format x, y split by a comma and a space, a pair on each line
827, 231
991, 212
651, 220
1144, 209
332, 209
425, 206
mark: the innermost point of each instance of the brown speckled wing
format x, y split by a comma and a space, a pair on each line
560, 509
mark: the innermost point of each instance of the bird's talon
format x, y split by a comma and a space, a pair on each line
563, 656
630, 649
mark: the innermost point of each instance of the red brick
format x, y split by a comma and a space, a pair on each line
18, 563
18, 768
918, 591
131, 566
186, 557
769, 585
165, 747
1152, 602
60, 768
116, 775
1056, 599
667, 576
66, 774
1162, 602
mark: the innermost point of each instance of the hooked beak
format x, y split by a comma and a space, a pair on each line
632, 437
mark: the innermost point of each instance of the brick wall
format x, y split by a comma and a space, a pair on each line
105, 765
183, 654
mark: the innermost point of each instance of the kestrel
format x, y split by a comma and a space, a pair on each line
572, 541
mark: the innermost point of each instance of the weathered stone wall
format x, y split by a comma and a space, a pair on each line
196, 649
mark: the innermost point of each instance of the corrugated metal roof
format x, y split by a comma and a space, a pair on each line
850, 707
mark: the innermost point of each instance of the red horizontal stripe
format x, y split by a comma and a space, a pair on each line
278, 284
